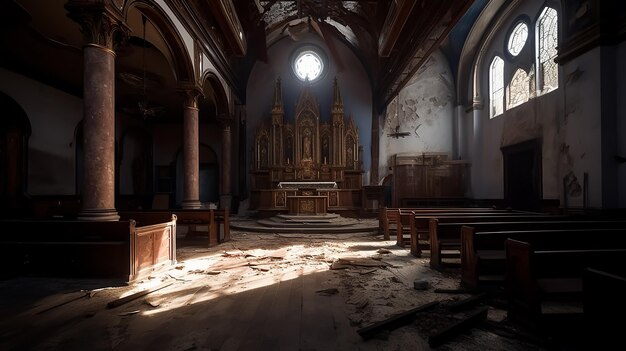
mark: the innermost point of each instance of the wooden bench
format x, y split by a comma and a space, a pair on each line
544, 285
482, 244
387, 217
603, 301
445, 232
85, 249
419, 224
212, 218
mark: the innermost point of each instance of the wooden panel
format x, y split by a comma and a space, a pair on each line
427, 176
145, 252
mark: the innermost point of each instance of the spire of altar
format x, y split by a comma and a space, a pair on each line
278, 98
337, 102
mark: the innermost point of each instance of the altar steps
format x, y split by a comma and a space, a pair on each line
326, 223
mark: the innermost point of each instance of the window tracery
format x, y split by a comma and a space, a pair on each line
496, 84
548, 36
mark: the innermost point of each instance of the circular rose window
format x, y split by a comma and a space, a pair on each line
308, 65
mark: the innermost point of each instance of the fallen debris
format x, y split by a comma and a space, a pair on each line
328, 292
452, 291
466, 303
131, 297
368, 271
128, 313
80, 296
458, 327
420, 284
361, 261
395, 321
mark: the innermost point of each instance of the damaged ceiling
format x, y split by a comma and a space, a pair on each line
391, 38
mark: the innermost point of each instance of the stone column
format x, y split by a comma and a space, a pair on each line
191, 152
375, 146
226, 194
101, 26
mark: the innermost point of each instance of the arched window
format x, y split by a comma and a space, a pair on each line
518, 90
496, 86
547, 41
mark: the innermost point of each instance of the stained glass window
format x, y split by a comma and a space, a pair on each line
518, 38
518, 90
496, 86
548, 39
308, 65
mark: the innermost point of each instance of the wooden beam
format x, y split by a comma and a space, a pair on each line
399, 12
395, 321
458, 327
125, 299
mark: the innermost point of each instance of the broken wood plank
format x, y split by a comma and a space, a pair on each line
327, 292
458, 327
395, 321
80, 296
134, 296
453, 291
362, 261
466, 303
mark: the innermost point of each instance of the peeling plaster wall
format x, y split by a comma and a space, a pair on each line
425, 109
581, 151
567, 120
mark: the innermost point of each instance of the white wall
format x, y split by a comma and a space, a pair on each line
425, 109
53, 116
567, 120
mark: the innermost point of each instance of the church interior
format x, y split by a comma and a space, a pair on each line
312, 174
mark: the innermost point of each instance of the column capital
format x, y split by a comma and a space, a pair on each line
225, 119
101, 21
190, 95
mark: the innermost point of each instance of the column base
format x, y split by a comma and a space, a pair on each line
97, 215
191, 204
225, 201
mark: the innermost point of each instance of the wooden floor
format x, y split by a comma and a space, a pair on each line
254, 293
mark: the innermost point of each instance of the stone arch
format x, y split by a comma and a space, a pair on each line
176, 51
135, 162
15, 130
213, 87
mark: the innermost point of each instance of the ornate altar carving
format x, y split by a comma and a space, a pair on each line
307, 150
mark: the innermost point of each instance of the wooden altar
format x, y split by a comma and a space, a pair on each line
308, 154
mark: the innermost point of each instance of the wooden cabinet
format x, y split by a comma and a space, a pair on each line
420, 178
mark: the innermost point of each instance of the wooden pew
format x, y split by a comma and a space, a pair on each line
86, 249
212, 218
419, 224
445, 232
387, 217
482, 244
603, 302
544, 285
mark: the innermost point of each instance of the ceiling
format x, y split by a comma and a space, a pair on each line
392, 39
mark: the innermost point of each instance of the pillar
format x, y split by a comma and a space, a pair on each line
101, 25
191, 152
225, 192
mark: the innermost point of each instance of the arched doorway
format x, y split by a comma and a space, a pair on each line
15, 130
208, 176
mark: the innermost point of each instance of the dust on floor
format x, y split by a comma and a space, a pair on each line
211, 299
